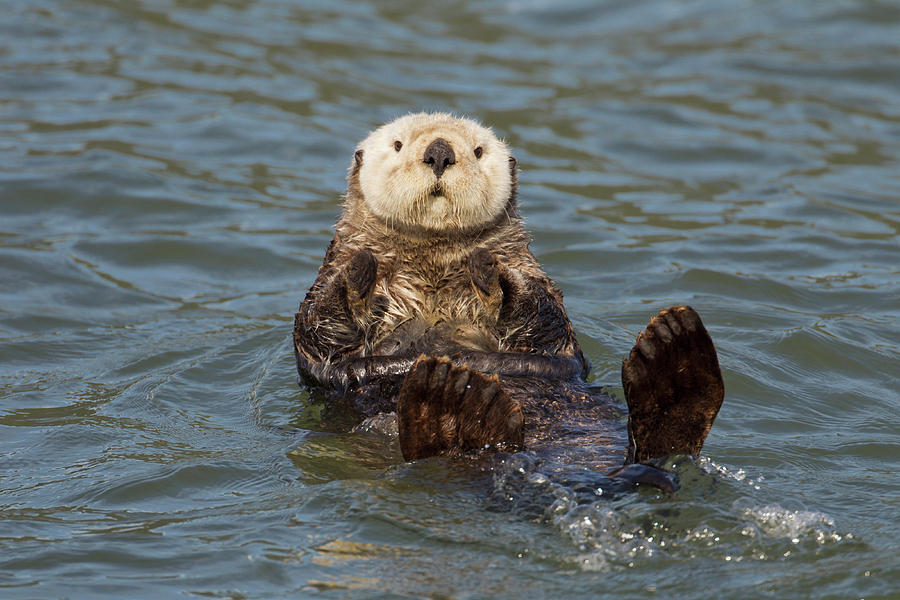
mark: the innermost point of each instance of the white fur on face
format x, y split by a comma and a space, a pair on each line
400, 188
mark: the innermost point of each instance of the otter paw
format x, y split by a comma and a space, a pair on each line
485, 274
673, 386
637, 474
483, 269
442, 408
360, 275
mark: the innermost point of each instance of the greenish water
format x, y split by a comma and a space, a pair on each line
169, 175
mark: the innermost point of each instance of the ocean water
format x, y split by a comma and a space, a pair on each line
169, 175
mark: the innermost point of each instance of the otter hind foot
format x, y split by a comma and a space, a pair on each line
638, 474
673, 386
442, 407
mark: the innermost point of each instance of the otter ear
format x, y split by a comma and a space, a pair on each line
512, 164
358, 158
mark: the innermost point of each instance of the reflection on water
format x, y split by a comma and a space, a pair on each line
169, 175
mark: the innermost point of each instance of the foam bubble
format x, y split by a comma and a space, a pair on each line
795, 525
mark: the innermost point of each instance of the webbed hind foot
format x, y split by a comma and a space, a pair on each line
638, 474
442, 407
673, 386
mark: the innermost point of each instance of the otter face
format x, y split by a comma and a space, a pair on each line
434, 171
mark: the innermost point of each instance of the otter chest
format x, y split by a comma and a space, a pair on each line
428, 292
433, 309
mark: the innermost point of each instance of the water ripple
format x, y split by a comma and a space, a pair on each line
169, 175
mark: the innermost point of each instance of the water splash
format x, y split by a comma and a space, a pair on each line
720, 513
775, 521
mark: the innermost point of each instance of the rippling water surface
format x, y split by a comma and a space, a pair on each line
169, 176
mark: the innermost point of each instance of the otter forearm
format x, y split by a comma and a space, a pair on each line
325, 330
330, 326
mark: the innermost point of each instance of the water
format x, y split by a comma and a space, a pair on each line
169, 175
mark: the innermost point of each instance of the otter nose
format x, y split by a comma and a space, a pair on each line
439, 155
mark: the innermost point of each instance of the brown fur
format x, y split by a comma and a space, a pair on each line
424, 289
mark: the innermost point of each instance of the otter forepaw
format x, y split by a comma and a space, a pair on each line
485, 274
483, 269
360, 277
442, 408
673, 386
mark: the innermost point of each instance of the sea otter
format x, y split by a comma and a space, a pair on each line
429, 304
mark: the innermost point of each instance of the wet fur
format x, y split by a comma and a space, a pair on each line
423, 298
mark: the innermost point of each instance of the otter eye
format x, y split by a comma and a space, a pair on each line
397, 145
478, 152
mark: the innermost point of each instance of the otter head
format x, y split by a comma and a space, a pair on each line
434, 171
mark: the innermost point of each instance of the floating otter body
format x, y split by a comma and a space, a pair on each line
430, 304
